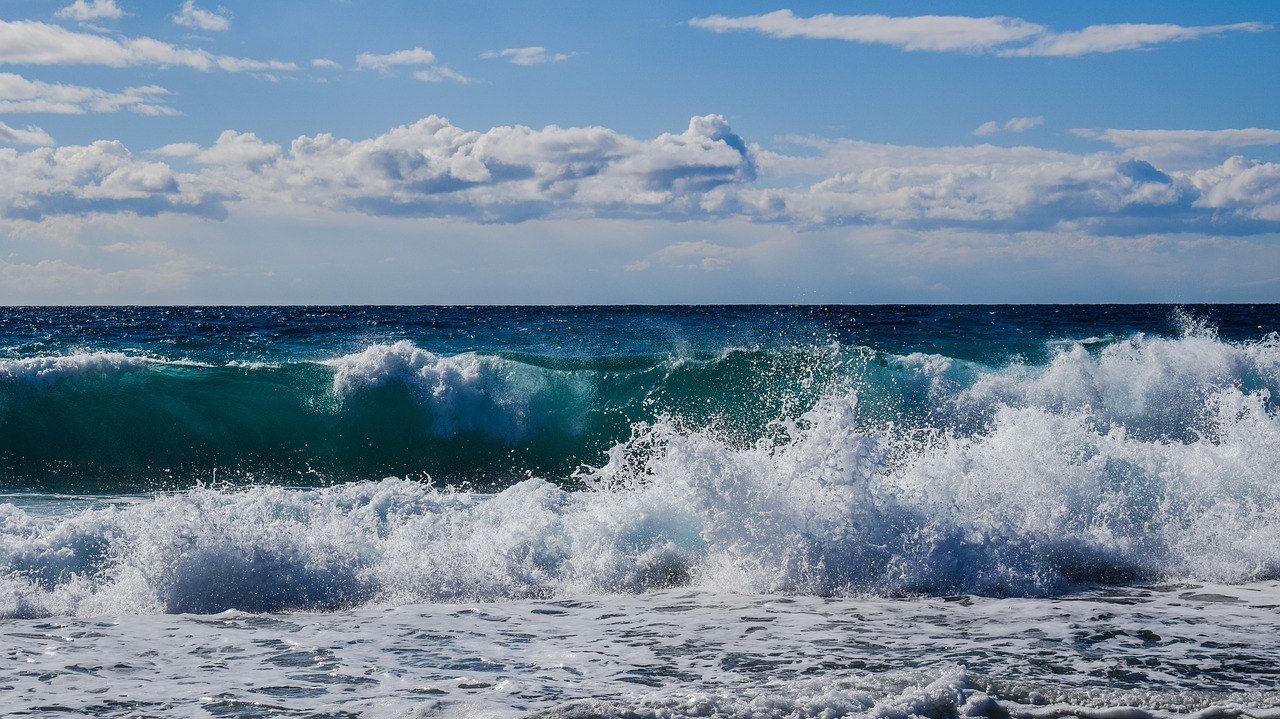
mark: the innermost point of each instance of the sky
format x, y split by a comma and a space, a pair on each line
566, 152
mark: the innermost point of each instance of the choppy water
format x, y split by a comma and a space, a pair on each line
738, 511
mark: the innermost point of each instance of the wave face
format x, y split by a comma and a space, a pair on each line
829, 458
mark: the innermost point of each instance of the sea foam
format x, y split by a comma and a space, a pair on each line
469, 392
1141, 461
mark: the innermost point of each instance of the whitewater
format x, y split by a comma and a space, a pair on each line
640, 512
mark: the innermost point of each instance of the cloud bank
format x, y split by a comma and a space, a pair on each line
432, 168
1004, 36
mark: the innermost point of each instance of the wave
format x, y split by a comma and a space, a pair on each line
1045, 499
97, 421
812, 470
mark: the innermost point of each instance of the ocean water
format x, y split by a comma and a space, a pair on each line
943, 511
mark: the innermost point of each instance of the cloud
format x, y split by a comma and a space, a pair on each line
927, 32
434, 169
505, 174
526, 56
195, 18
100, 178
242, 150
440, 73
25, 42
20, 95
1005, 36
30, 136
416, 56
383, 63
85, 11
997, 189
1182, 146
1017, 124
1128, 36
325, 63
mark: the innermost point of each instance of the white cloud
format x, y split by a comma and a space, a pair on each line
30, 136
25, 42
178, 149
238, 150
20, 95
432, 168
1003, 189
195, 18
85, 11
326, 63
102, 177
416, 56
383, 63
990, 127
526, 56
937, 33
928, 32
440, 73
1022, 124
1129, 36
1182, 147
1017, 124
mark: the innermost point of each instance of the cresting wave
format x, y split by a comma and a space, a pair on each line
1147, 459
111, 421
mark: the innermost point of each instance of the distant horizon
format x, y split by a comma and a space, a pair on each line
561, 152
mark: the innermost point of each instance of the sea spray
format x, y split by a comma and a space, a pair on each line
1039, 504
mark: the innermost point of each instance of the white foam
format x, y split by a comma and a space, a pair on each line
1044, 494
468, 391
49, 370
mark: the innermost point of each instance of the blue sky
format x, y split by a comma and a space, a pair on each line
352, 151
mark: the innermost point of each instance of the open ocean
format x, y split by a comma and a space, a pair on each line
575, 512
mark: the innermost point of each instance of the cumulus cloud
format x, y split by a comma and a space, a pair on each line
1017, 124
383, 63
30, 136
197, 19
526, 55
26, 42
989, 188
85, 11
940, 33
432, 168
102, 177
20, 95
324, 62
240, 150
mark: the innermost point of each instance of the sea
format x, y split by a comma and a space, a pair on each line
643, 512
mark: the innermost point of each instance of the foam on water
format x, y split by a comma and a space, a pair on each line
1198, 651
1148, 459
469, 392
44, 371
